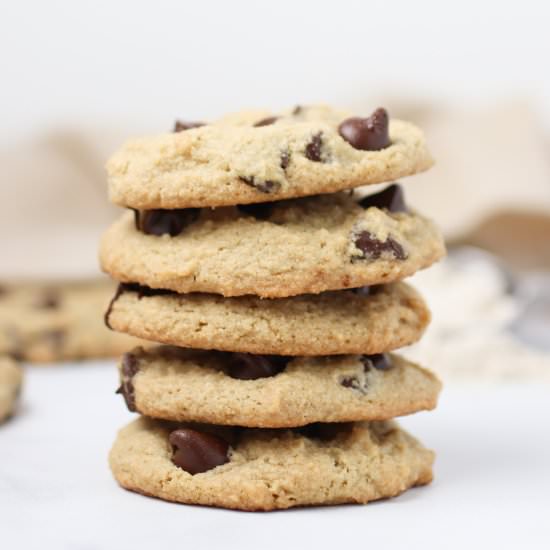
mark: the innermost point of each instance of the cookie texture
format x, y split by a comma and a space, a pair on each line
229, 389
276, 469
44, 322
299, 246
11, 378
235, 161
337, 322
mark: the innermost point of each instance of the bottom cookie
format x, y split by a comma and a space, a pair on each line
11, 377
263, 469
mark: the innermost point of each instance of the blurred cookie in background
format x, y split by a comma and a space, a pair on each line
57, 321
11, 377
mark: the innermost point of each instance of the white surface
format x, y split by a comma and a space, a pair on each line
492, 485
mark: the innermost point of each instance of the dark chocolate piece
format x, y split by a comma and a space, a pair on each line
161, 222
181, 125
196, 451
372, 248
391, 198
379, 361
367, 134
259, 210
267, 186
314, 148
326, 431
266, 121
285, 159
246, 366
130, 367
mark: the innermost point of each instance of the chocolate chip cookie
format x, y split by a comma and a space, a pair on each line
44, 322
257, 469
363, 320
259, 156
273, 250
11, 378
272, 391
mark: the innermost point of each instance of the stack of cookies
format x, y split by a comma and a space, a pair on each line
275, 292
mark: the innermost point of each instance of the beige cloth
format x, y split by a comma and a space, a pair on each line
54, 197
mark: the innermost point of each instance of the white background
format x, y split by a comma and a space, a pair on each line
136, 65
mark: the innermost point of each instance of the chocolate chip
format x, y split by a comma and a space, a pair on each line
297, 110
142, 290
372, 248
120, 289
181, 125
313, 148
136, 218
326, 431
246, 366
285, 159
130, 367
379, 361
367, 134
352, 382
267, 186
392, 199
259, 210
197, 452
3, 290
50, 299
161, 222
266, 121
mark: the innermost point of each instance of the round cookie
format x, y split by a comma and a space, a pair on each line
271, 469
11, 378
262, 391
55, 321
367, 320
299, 246
255, 157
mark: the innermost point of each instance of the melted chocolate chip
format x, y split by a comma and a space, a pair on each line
392, 199
352, 382
246, 366
120, 289
367, 134
379, 361
259, 210
285, 159
367, 290
266, 121
267, 186
130, 367
161, 222
197, 452
314, 148
372, 248
181, 125
326, 431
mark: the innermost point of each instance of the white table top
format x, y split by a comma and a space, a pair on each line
492, 486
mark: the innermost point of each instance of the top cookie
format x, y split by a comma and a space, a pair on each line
254, 157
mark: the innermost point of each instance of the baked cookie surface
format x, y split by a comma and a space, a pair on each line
270, 469
300, 246
265, 391
256, 156
56, 321
11, 377
367, 320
